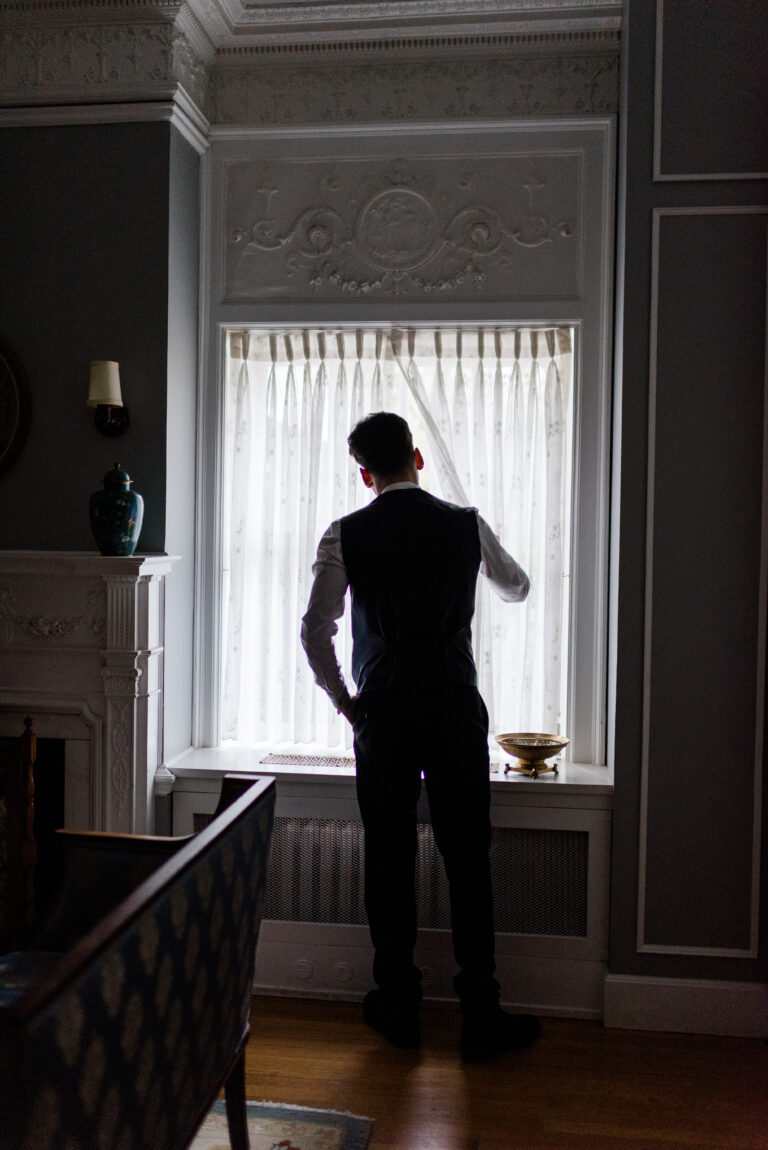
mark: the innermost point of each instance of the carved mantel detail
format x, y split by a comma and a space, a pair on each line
447, 227
83, 634
48, 627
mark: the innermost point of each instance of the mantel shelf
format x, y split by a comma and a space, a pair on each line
87, 563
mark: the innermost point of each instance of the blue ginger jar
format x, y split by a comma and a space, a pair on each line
116, 514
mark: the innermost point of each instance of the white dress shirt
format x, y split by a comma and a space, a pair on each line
326, 599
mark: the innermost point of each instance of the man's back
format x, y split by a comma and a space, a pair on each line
412, 562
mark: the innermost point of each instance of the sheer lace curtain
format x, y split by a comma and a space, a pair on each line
491, 411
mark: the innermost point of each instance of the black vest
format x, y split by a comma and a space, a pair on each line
412, 562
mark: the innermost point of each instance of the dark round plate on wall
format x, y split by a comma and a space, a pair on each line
15, 407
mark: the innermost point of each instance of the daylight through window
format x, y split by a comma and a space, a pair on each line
491, 411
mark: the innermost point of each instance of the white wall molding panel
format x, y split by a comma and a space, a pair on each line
720, 135
677, 913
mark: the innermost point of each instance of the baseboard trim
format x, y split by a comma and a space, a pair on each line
687, 1006
312, 960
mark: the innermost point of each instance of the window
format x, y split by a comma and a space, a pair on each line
491, 410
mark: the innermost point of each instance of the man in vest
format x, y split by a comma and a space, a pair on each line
411, 562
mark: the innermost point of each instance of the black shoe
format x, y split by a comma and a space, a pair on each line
485, 1036
397, 1021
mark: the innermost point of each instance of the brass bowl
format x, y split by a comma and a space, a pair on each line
532, 749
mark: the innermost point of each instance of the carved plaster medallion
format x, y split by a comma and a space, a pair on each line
397, 229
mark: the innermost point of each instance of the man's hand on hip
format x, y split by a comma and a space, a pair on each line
350, 710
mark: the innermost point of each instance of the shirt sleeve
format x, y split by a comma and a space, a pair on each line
504, 573
326, 605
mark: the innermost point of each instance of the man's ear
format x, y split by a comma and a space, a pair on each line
367, 477
418, 459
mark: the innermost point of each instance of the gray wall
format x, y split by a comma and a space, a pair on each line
99, 234
691, 386
84, 275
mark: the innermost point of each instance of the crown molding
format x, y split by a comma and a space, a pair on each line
217, 24
230, 58
179, 111
200, 36
529, 41
275, 19
64, 13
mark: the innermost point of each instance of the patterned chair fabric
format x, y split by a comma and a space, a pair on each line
126, 1042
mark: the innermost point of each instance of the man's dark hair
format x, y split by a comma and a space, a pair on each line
381, 443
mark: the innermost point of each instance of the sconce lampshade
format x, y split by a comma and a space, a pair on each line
105, 384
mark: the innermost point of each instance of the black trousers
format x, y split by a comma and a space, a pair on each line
444, 733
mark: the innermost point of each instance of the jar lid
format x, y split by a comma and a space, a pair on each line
116, 477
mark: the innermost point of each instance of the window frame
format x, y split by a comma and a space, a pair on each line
589, 673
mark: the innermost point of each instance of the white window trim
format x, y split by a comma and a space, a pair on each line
591, 316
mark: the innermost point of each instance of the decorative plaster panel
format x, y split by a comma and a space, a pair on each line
450, 226
80, 617
519, 85
120, 750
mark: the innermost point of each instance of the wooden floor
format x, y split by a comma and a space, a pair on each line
580, 1088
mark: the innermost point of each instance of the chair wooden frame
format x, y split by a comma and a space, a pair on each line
110, 981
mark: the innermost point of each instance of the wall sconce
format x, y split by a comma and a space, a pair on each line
104, 394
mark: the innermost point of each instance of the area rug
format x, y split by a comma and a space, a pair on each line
273, 1126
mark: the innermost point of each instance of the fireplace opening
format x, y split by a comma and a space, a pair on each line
49, 777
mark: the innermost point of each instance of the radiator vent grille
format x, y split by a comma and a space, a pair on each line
539, 877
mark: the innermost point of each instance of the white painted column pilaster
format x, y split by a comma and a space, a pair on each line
133, 693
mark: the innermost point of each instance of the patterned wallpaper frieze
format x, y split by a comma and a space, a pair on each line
98, 63
416, 90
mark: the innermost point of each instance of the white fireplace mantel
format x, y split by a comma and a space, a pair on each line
81, 651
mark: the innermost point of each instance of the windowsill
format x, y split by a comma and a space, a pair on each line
571, 778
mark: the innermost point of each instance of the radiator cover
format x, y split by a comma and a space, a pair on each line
539, 877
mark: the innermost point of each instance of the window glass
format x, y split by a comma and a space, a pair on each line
491, 411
